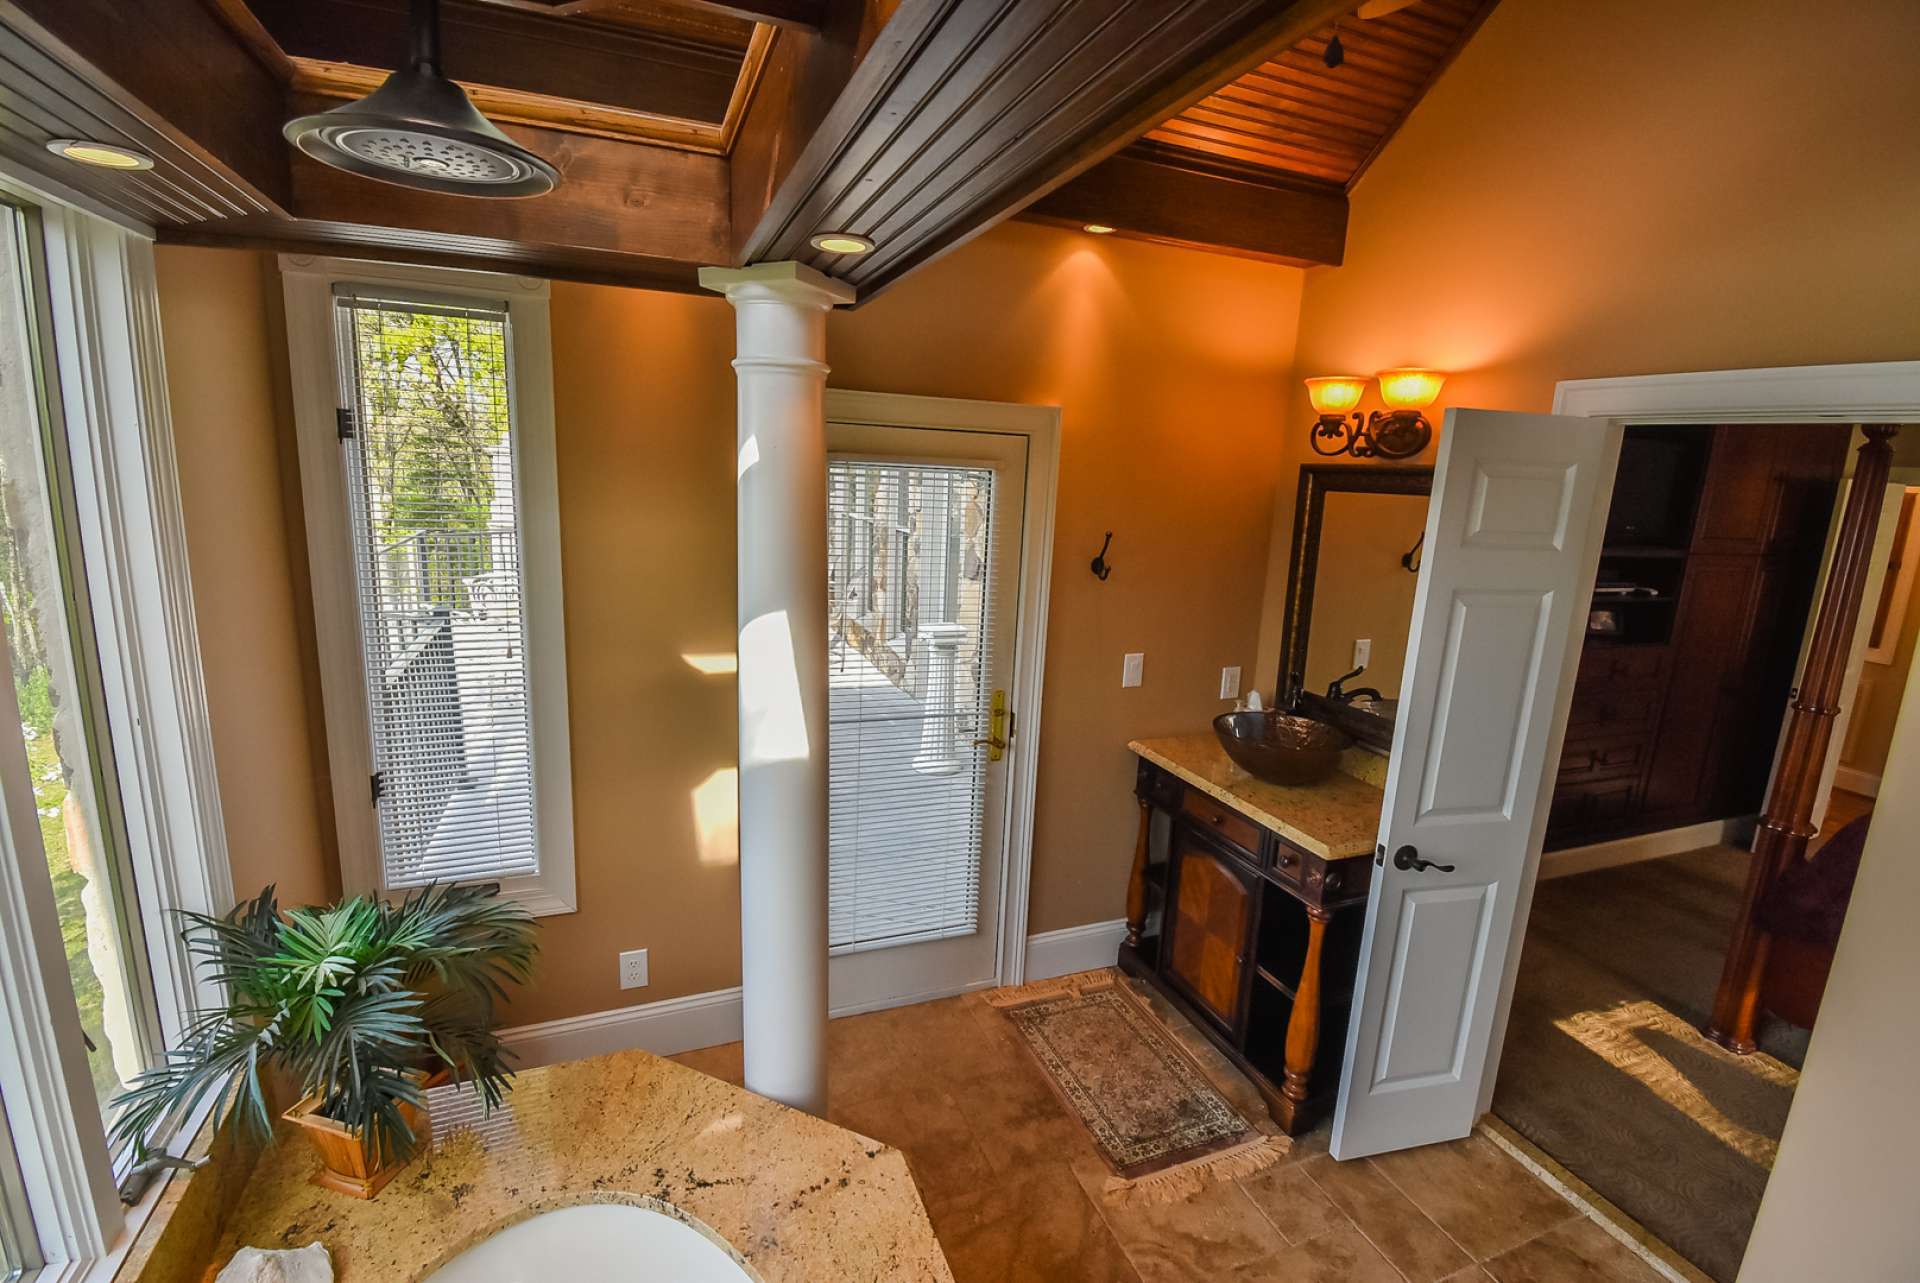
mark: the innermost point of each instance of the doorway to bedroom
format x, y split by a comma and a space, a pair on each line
1720, 545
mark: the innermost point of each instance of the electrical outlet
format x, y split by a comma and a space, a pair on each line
1130, 667
1362, 651
1230, 682
633, 969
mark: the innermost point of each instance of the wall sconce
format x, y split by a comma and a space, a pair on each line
1398, 432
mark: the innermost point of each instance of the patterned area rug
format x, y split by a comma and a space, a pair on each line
1155, 1118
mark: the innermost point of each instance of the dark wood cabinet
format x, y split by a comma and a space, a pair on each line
1678, 706
1210, 930
1256, 939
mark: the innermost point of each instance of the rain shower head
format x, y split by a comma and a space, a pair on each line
419, 129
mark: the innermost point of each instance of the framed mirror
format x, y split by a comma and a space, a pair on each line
1357, 537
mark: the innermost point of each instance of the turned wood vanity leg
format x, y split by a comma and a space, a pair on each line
1137, 882
1303, 1026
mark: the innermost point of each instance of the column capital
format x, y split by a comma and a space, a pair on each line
787, 281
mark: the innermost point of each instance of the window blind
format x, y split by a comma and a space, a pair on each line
909, 677
429, 448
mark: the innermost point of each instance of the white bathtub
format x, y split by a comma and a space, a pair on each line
595, 1243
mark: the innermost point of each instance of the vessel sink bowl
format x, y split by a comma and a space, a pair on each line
595, 1243
1281, 748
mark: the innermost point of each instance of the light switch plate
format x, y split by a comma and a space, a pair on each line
633, 969
1230, 682
1362, 651
1130, 668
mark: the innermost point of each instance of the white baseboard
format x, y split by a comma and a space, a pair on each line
1645, 846
708, 1019
1856, 781
1061, 953
663, 1028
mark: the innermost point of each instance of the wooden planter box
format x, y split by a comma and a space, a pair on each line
346, 1165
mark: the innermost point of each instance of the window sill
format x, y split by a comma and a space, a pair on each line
171, 1233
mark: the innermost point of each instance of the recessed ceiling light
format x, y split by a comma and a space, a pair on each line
100, 155
1098, 229
841, 243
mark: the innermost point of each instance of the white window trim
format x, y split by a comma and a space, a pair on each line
308, 284
112, 407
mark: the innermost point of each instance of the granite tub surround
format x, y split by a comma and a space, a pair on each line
795, 1197
1336, 819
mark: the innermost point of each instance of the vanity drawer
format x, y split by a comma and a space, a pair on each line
1223, 822
1289, 863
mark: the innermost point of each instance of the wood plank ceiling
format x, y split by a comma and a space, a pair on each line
1295, 115
690, 132
1245, 168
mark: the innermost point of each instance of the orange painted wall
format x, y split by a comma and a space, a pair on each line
1169, 367
1611, 187
217, 317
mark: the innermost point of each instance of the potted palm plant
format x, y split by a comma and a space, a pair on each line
363, 1004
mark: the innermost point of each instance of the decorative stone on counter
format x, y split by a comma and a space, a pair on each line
796, 1197
1336, 819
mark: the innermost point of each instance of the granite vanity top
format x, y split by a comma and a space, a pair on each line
1336, 819
797, 1198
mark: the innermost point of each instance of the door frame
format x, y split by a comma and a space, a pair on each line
1865, 392
1040, 425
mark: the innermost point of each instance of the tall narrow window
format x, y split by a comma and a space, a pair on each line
17, 1251
429, 444
62, 728
109, 808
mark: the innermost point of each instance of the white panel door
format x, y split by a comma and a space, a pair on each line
1513, 539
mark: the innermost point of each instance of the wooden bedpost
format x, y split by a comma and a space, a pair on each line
1782, 837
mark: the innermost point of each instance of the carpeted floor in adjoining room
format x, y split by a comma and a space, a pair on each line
1605, 1068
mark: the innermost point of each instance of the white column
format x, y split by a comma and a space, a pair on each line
780, 343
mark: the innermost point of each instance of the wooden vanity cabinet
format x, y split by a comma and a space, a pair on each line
1254, 939
1210, 926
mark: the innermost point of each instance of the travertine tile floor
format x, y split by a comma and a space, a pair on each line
1015, 1188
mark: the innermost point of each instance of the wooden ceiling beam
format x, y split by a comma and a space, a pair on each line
1147, 193
804, 76
961, 114
623, 214
793, 15
210, 106
516, 50
616, 201
808, 16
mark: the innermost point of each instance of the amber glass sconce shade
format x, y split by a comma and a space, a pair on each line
1398, 432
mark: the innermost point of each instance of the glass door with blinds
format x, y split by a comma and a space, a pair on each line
429, 447
923, 557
